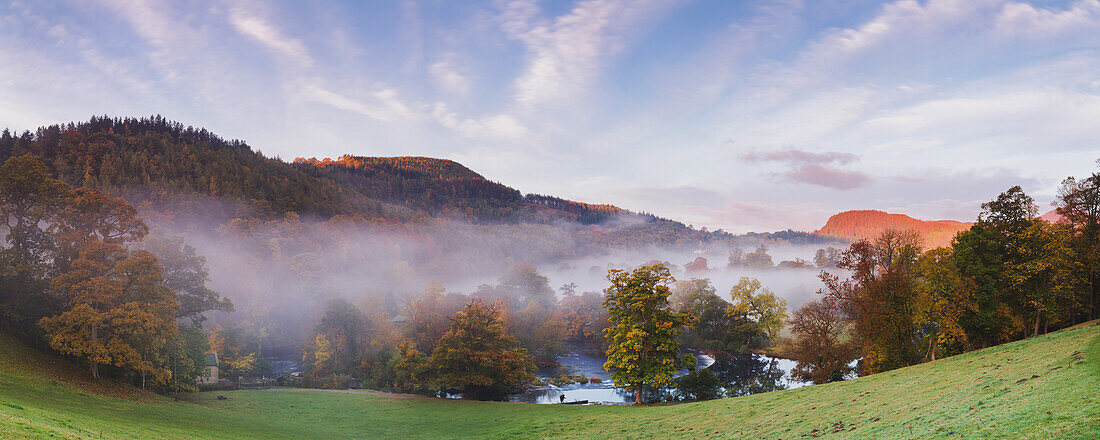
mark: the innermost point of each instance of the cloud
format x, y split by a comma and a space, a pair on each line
566, 54
448, 77
1008, 118
677, 195
740, 216
177, 47
815, 168
967, 26
800, 156
942, 209
500, 127
1025, 19
267, 34
382, 105
828, 176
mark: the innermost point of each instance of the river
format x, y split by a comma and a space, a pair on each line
740, 374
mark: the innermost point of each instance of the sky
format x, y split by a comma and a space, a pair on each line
740, 115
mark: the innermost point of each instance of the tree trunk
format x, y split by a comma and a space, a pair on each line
95, 365
932, 349
638, 395
1037, 316
1092, 298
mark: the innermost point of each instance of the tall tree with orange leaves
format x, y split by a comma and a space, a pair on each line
478, 356
880, 298
120, 313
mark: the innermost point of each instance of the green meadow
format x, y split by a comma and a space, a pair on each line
1047, 387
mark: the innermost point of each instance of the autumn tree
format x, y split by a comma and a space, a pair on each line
429, 317
713, 329
698, 265
880, 298
758, 259
818, 345
1018, 265
796, 263
119, 313
29, 199
410, 369
538, 329
530, 311
1079, 204
736, 258
584, 319
759, 306
945, 298
523, 285
339, 339
240, 352
478, 356
90, 215
827, 258
1042, 275
643, 349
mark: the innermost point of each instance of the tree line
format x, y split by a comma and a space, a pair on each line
1010, 276
441, 340
80, 271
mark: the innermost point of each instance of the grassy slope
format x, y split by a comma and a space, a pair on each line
1044, 388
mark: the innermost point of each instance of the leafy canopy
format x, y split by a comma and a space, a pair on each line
643, 348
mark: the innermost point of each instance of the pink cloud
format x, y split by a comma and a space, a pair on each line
815, 168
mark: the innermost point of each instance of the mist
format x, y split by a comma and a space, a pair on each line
279, 273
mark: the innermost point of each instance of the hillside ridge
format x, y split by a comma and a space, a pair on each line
164, 163
856, 225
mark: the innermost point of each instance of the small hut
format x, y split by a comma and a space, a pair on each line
211, 373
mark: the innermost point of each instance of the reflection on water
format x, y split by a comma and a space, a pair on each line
740, 374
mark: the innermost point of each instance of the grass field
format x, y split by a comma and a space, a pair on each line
1042, 388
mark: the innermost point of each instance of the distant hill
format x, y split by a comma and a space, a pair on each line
190, 177
857, 225
168, 165
1053, 216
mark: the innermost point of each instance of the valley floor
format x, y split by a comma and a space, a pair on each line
1041, 388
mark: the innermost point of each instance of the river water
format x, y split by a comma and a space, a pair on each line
740, 374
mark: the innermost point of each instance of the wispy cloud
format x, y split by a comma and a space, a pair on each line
567, 53
449, 77
1025, 19
382, 105
271, 37
501, 127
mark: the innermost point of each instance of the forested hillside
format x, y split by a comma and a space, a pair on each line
156, 160
168, 168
